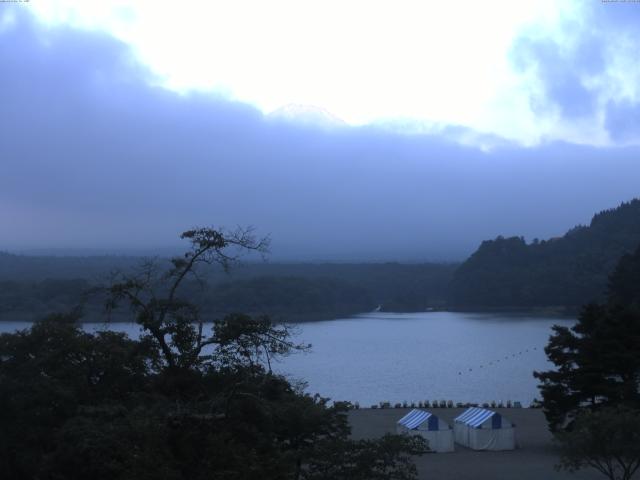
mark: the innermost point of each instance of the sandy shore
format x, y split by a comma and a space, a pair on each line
533, 460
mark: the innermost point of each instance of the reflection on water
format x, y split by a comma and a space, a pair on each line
415, 356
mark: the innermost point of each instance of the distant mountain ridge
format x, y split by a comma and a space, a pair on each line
567, 271
307, 115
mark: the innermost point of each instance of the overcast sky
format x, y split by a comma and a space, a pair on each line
367, 130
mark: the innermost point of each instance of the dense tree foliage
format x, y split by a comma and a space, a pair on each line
26, 299
76, 405
34, 268
598, 359
592, 398
568, 271
607, 440
289, 297
285, 298
181, 402
287, 292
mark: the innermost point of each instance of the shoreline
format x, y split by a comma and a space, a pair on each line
533, 459
544, 312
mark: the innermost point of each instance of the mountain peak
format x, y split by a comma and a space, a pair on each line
307, 115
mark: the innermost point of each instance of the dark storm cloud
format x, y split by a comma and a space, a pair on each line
92, 155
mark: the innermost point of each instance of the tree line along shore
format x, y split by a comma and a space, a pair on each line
554, 276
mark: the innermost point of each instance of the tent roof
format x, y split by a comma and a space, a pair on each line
474, 416
414, 418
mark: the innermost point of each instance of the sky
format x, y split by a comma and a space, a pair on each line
346, 130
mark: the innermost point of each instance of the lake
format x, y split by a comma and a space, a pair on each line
373, 357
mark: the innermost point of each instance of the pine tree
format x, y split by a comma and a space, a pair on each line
598, 359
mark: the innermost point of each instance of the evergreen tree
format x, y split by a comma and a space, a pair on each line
598, 359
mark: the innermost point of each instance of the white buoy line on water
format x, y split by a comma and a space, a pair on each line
500, 360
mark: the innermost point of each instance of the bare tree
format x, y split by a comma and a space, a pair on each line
154, 294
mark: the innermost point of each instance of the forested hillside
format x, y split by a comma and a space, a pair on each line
506, 272
27, 268
31, 287
567, 271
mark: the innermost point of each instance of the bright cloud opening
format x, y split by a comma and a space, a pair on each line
429, 64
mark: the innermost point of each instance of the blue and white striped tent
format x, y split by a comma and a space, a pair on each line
482, 429
438, 433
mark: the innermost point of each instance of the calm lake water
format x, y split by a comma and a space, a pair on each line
464, 357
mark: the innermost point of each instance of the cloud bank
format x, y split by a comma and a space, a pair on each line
583, 73
529, 72
93, 155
